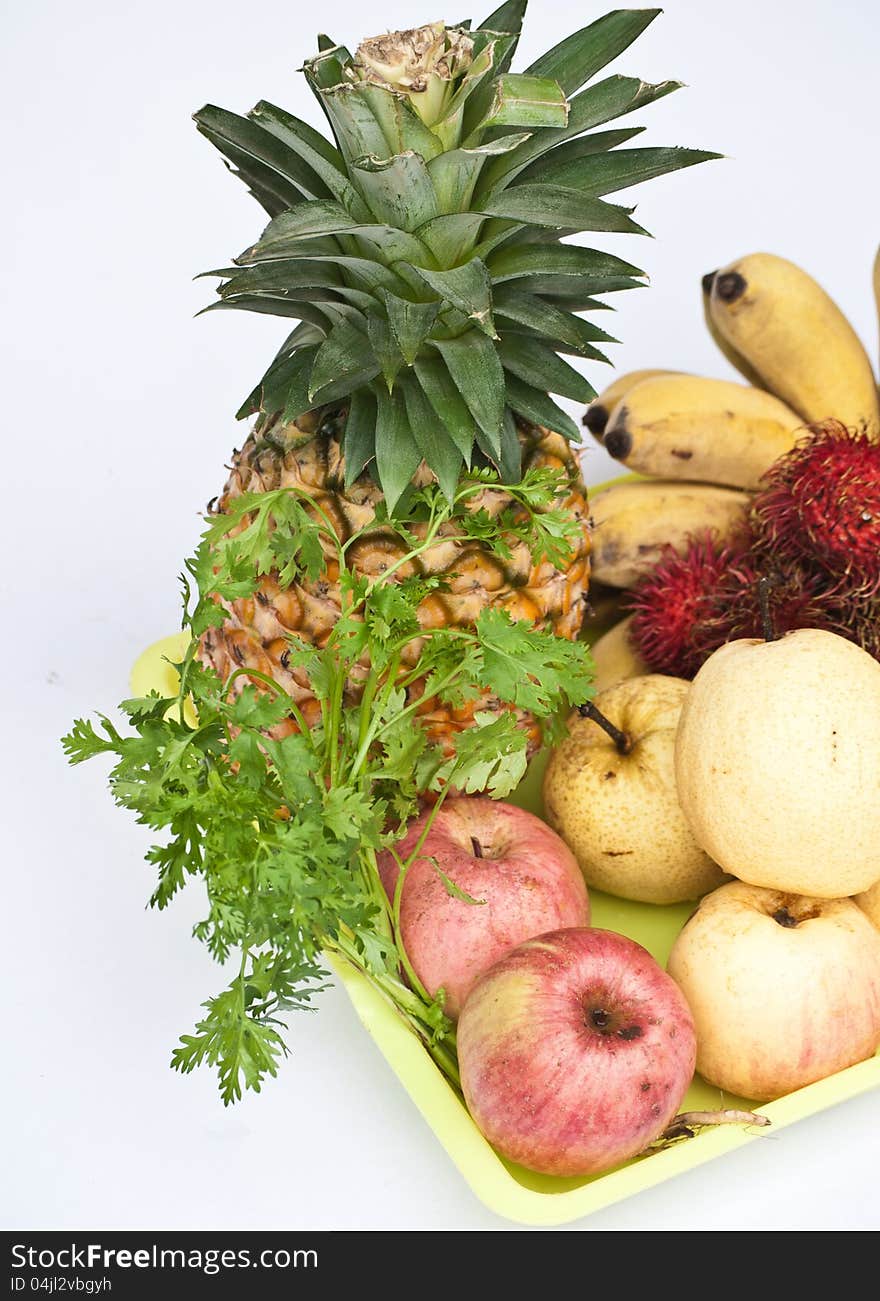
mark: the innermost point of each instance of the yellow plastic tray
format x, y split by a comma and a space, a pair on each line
505, 1188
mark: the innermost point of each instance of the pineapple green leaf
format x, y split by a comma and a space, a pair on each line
606, 173
437, 448
506, 18
527, 102
344, 361
305, 221
397, 452
286, 234
468, 288
484, 62
472, 361
451, 238
401, 125
536, 364
398, 190
306, 279
563, 260
509, 461
546, 318
611, 98
535, 405
454, 173
324, 160
357, 132
443, 395
586, 351
285, 385
581, 55
225, 129
593, 142
266, 304
326, 67
271, 191
359, 439
385, 349
410, 323
437, 217
560, 207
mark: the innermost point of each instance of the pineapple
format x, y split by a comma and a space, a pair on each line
422, 252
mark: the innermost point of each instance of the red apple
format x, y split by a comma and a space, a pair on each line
575, 1051
526, 878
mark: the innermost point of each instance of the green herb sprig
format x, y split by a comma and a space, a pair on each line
284, 833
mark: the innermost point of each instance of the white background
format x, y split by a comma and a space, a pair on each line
118, 420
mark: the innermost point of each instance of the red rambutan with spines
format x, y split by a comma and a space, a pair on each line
795, 599
819, 509
691, 604
669, 604
860, 622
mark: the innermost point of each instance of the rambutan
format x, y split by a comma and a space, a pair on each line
860, 622
691, 604
795, 599
819, 509
668, 605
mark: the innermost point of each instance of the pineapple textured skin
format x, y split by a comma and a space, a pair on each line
255, 632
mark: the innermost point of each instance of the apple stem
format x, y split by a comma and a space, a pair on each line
765, 584
477, 847
621, 739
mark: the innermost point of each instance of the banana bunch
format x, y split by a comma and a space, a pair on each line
704, 444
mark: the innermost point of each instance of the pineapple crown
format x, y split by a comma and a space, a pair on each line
423, 252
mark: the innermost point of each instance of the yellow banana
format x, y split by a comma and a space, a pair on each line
597, 413
614, 658
633, 520
796, 338
736, 359
687, 427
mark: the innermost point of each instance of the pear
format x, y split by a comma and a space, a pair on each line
784, 989
777, 761
609, 791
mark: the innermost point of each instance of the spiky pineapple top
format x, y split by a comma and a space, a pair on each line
423, 252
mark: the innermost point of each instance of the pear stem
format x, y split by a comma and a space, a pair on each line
765, 585
621, 739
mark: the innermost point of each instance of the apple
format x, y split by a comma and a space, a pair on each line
524, 877
784, 989
613, 799
777, 762
869, 902
575, 1051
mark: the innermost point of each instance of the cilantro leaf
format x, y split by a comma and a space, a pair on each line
531, 669
281, 831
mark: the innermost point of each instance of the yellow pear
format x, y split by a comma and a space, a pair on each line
777, 761
612, 798
784, 989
